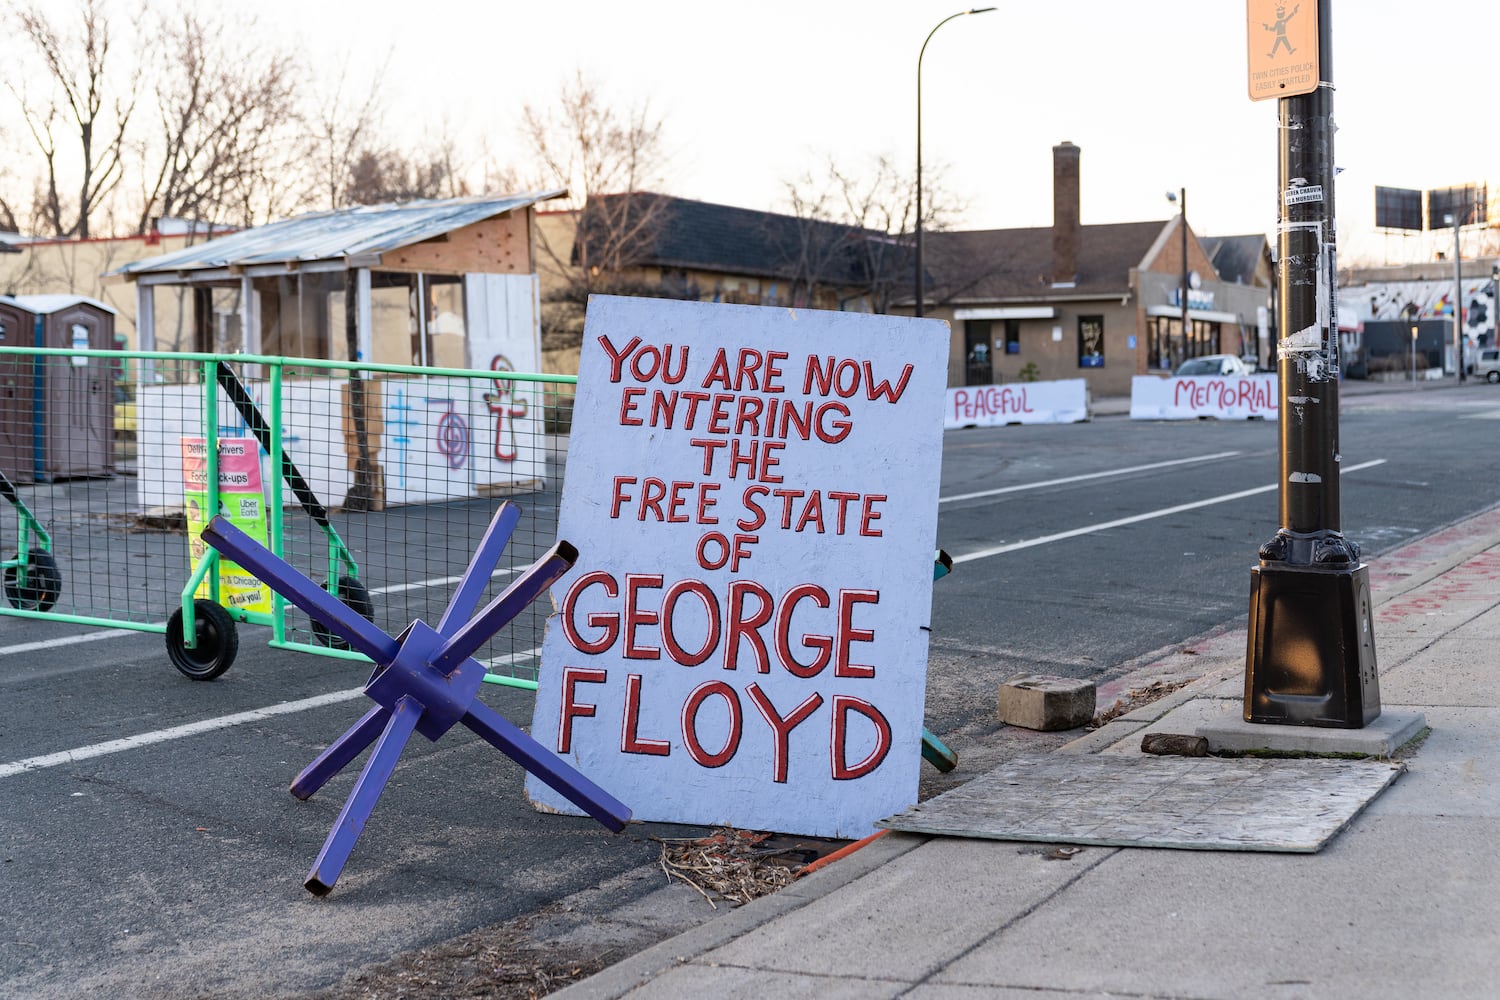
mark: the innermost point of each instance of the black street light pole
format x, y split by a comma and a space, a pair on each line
1187, 326
923, 52
1458, 295
1311, 653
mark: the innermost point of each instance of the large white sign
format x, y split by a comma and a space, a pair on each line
753, 492
430, 438
1227, 397
1063, 402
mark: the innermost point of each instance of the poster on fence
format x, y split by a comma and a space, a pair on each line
1062, 402
753, 494
1226, 397
242, 502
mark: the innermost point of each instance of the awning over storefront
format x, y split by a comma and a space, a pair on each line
1207, 315
1007, 312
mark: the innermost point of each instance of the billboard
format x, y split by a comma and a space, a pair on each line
1466, 203
1398, 208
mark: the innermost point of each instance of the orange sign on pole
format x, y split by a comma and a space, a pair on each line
1282, 45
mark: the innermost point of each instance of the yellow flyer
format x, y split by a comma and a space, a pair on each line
242, 501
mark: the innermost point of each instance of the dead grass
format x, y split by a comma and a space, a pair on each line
733, 865
1135, 699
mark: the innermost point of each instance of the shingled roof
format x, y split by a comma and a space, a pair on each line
994, 265
702, 236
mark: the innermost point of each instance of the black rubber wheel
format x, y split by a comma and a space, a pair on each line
357, 596
1492, 376
43, 583
217, 644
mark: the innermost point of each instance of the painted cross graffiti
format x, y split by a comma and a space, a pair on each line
399, 419
505, 402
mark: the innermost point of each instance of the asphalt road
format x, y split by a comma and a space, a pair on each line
172, 867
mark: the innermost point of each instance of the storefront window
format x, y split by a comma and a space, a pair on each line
1091, 342
1012, 336
1167, 347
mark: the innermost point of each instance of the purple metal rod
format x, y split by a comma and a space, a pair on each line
424, 681
340, 753
321, 606
367, 788
520, 747
503, 609
477, 577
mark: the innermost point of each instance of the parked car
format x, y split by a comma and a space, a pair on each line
1213, 364
1488, 365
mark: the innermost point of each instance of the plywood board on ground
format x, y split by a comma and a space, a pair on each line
1211, 803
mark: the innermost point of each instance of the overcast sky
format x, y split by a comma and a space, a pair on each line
1154, 93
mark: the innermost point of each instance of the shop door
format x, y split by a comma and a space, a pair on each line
980, 368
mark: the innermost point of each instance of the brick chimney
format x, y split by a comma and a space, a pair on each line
1065, 224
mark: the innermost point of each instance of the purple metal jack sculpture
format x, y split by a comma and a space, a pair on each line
424, 680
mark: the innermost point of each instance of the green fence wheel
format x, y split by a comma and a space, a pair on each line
42, 586
217, 644
357, 596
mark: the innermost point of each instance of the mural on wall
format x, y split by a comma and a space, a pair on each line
1389, 300
430, 438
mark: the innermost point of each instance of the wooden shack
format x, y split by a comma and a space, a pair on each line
448, 283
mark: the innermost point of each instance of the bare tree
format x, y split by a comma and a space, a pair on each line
83, 116
343, 129
226, 110
817, 251
608, 158
878, 205
383, 175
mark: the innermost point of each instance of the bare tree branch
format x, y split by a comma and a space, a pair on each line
80, 81
225, 109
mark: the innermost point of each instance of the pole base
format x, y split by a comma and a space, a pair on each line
1311, 653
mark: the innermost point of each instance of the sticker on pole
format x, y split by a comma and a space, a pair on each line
753, 493
1283, 48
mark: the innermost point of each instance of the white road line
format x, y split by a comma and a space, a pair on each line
175, 733
1149, 515
72, 640
1089, 475
510, 659
397, 588
68, 640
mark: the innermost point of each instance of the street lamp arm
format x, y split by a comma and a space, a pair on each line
922, 52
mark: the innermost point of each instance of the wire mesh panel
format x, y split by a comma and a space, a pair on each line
413, 465
70, 446
376, 482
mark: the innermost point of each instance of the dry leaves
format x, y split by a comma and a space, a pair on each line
1135, 699
730, 864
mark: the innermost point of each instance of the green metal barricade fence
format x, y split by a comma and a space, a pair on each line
377, 480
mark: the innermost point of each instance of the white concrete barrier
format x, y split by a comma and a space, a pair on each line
1225, 397
1062, 402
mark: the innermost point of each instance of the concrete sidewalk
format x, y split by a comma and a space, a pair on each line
1401, 903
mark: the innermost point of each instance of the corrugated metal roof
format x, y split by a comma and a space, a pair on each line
348, 232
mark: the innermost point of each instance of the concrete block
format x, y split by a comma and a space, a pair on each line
1039, 701
1380, 738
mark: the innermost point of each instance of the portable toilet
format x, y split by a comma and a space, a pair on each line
17, 373
70, 398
